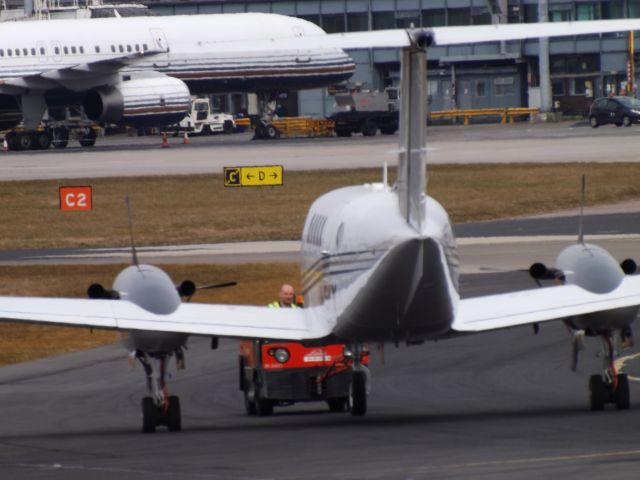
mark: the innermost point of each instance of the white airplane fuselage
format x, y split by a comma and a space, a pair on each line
371, 274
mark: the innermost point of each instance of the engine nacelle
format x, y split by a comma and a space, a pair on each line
146, 101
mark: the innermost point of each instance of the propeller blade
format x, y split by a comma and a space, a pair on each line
217, 285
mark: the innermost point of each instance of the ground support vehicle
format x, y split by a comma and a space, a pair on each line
59, 126
201, 120
280, 374
366, 112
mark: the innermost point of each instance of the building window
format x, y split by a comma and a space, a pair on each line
459, 16
383, 20
561, 12
587, 11
311, 18
434, 17
480, 16
480, 88
612, 9
530, 13
504, 85
357, 22
514, 13
408, 19
557, 87
333, 23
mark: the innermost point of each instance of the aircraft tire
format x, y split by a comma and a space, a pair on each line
622, 392
264, 407
369, 129
343, 132
358, 394
149, 415
597, 393
88, 139
174, 418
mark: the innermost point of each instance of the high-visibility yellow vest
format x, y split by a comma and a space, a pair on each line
276, 304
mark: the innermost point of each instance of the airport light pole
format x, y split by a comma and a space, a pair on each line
543, 60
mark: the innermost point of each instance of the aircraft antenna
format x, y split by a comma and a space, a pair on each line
134, 253
582, 200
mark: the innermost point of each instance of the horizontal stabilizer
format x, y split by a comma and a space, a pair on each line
494, 312
239, 321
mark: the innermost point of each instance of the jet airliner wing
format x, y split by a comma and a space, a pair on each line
191, 318
495, 312
439, 36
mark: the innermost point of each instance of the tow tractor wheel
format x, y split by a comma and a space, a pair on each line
358, 394
598, 392
337, 404
264, 407
149, 415
249, 405
88, 139
621, 395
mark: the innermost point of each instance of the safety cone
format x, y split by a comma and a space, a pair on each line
165, 140
185, 138
5, 146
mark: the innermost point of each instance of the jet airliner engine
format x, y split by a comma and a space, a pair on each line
149, 100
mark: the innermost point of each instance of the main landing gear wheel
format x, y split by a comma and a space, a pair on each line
154, 415
598, 393
88, 139
358, 394
60, 137
41, 140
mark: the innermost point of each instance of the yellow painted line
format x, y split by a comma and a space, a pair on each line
622, 361
534, 460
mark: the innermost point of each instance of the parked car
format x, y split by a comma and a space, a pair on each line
617, 110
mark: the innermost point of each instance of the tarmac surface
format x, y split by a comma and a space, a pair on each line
501, 405
134, 156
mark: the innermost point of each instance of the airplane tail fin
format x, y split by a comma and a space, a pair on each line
412, 178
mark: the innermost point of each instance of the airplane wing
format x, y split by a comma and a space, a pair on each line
439, 36
239, 321
495, 312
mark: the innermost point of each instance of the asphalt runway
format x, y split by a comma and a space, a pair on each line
133, 156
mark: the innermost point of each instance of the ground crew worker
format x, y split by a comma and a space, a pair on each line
285, 298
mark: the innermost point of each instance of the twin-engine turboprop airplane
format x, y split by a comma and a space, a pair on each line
379, 263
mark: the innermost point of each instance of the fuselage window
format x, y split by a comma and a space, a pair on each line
97, 48
113, 48
73, 49
42, 51
9, 52
33, 52
137, 47
81, 48
17, 52
25, 51
129, 48
145, 47
57, 50
121, 48
1, 52
65, 50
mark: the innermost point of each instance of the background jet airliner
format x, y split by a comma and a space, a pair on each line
141, 71
379, 263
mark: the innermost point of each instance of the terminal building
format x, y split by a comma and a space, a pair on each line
497, 74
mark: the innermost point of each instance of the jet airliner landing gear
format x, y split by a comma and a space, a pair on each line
160, 408
611, 387
267, 105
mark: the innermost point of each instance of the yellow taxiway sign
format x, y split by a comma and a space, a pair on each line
253, 176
